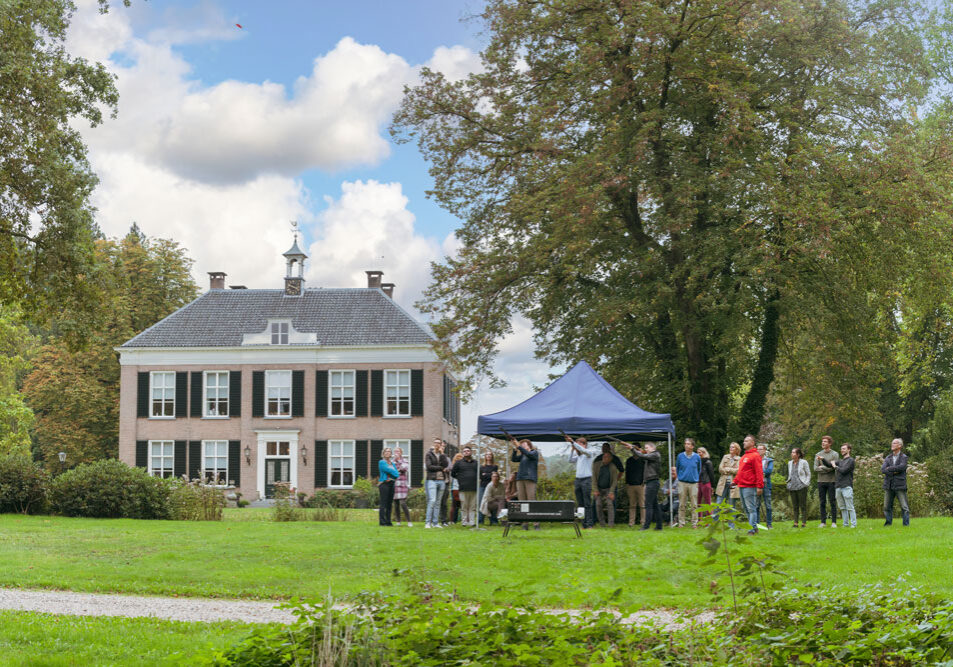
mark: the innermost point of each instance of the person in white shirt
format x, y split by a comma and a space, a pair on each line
583, 455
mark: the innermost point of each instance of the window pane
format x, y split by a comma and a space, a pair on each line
283, 448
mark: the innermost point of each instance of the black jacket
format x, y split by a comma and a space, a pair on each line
895, 472
634, 471
653, 462
843, 472
486, 474
466, 474
436, 463
707, 475
529, 462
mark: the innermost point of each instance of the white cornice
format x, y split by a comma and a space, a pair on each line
274, 354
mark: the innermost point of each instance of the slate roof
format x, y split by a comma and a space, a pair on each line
340, 316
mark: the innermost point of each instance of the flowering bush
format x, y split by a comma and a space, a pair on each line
869, 494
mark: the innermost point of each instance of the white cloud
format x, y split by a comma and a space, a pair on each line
455, 62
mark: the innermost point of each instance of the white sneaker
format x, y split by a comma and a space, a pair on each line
397, 523
823, 525
833, 525
437, 525
428, 525
410, 525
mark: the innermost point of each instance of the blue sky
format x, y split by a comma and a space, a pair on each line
226, 134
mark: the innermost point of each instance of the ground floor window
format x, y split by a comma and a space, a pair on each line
161, 456
341, 463
215, 462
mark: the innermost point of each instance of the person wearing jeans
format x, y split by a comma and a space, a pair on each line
825, 479
436, 483
844, 487
688, 466
583, 455
768, 464
750, 482
894, 470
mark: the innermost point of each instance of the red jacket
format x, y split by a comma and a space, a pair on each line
750, 472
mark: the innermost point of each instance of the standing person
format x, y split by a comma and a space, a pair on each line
606, 475
825, 480
510, 492
768, 464
650, 478
670, 494
706, 479
436, 463
799, 479
447, 493
844, 486
635, 484
750, 481
494, 498
688, 466
401, 486
894, 470
487, 468
583, 455
385, 485
454, 490
727, 469
465, 472
527, 456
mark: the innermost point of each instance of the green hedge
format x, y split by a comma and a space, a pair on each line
110, 489
23, 485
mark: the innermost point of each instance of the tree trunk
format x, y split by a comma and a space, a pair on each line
752, 412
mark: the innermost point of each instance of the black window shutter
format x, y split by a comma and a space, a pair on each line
377, 393
258, 394
416, 393
181, 394
178, 461
235, 462
235, 394
416, 462
377, 446
320, 464
297, 393
446, 401
360, 393
360, 458
196, 407
142, 452
321, 394
195, 459
142, 394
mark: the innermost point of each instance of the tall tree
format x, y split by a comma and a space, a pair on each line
17, 345
672, 190
75, 392
47, 259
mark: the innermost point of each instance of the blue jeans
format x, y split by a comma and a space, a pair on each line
749, 498
845, 503
583, 490
889, 495
766, 499
435, 489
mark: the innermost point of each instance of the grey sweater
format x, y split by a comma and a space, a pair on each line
825, 473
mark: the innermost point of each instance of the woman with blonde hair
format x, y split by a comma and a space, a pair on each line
385, 485
705, 479
728, 468
401, 486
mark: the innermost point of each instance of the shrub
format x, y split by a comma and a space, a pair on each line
940, 480
365, 493
193, 501
559, 487
286, 506
110, 489
23, 485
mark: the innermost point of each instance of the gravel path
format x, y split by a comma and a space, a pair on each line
207, 610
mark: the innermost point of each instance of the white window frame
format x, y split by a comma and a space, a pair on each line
342, 457
343, 387
162, 456
207, 398
388, 384
280, 331
216, 456
268, 391
404, 444
165, 388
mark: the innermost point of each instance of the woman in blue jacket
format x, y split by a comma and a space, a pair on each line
385, 483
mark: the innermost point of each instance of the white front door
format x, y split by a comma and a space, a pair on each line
277, 461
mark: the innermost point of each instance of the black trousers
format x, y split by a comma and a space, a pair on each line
387, 499
826, 492
652, 509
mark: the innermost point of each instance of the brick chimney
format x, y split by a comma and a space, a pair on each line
216, 280
374, 278
388, 289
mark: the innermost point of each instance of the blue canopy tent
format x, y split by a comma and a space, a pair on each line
581, 402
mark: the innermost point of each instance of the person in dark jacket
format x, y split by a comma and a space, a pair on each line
767, 464
465, 472
437, 463
650, 478
635, 485
706, 479
894, 470
844, 486
527, 456
487, 468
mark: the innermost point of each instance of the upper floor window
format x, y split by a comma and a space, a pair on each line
277, 393
215, 462
341, 393
161, 455
216, 393
279, 333
397, 393
163, 393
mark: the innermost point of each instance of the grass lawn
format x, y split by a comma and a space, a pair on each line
261, 559
46, 639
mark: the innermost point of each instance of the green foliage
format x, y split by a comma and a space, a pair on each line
23, 485
557, 487
194, 501
701, 201
17, 346
940, 477
937, 437
365, 493
110, 489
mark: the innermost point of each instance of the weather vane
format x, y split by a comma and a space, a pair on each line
294, 229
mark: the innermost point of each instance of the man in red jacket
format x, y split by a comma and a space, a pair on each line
750, 481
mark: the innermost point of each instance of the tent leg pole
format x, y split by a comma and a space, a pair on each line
671, 497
